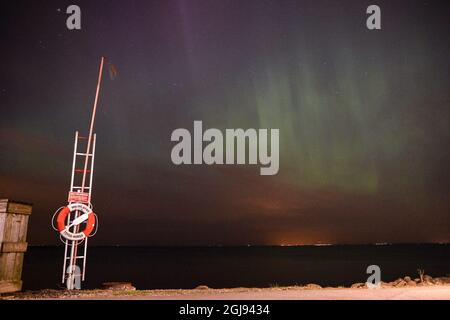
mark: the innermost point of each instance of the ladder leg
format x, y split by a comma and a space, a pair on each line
84, 258
65, 261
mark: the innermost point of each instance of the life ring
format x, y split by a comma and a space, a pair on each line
87, 214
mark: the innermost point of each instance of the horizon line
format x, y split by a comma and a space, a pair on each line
254, 245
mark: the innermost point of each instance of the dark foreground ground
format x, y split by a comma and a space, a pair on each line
427, 288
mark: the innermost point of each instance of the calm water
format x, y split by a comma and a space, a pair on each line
150, 268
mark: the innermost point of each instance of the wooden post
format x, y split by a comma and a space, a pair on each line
13, 235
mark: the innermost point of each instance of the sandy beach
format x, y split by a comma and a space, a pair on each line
434, 292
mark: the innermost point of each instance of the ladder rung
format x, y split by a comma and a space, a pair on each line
84, 154
82, 137
77, 187
77, 257
82, 170
76, 275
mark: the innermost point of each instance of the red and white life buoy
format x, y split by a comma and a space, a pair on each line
86, 215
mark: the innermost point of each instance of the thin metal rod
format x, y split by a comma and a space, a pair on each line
84, 258
65, 261
91, 175
73, 260
86, 161
91, 128
75, 146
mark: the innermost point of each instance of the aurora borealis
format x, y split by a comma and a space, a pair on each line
363, 117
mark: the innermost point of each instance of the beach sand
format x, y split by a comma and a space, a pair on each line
436, 292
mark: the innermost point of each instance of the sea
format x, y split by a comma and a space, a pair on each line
229, 267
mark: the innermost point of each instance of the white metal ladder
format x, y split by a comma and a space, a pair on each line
74, 265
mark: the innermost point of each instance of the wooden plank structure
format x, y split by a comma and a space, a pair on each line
13, 235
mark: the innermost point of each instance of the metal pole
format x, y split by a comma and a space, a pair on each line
91, 175
91, 128
75, 145
86, 161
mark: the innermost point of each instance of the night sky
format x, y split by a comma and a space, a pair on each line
363, 115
